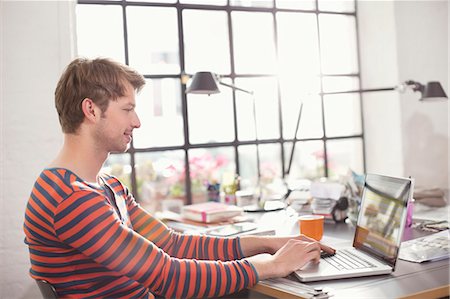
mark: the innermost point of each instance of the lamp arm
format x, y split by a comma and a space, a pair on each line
360, 90
235, 87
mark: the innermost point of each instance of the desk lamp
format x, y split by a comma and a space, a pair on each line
206, 83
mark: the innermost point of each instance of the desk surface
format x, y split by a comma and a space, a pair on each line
411, 280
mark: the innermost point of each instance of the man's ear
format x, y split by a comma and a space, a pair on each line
90, 110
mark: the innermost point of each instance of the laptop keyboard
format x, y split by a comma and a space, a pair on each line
345, 260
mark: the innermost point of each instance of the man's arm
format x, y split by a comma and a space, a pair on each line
87, 223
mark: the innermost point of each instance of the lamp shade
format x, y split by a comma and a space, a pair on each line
433, 91
203, 83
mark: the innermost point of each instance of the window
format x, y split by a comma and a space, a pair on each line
287, 52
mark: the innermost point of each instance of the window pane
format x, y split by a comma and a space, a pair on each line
252, 3
206, 41
209, 165
308, 161
337, 5
342, 115
160, 175
159, 109
266, 99
294, 91
344, 155
304, 4
271, 169
208, 2
153, 40
335, 84
247, 165
100, 20
298, 48
338, 44
211, 117
118, 165
253, 38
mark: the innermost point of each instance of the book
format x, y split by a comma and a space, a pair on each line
209, 212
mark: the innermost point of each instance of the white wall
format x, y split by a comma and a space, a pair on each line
422, 35
402, 40
35, 47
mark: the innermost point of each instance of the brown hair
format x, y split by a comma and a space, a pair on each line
99, 79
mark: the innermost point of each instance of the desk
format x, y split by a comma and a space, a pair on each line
410, 280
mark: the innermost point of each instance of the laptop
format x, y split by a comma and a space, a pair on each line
378, 233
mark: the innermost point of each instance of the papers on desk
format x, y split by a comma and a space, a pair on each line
429, 248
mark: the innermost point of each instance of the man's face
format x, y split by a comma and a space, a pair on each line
115, 129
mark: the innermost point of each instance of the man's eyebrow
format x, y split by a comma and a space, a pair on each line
130, 104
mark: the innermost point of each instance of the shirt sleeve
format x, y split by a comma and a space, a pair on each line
89, 224
179, 245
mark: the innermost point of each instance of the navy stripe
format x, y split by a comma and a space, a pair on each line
141, 261
92, 241
44, 193
67, 175
199, 248
112, 290
172, 272
53, 254
73, 283
216, 249
54, 186
36, 214
138, 216
121, 294
228, 280
78, 202
61, 265
131, 255
96, 270
168, 281
37, 201
91, 225
226, 243
188, 245
40, 227
244, 273
108, 244
143, 225
118, 250
235, 248
158, 258
208, 279
219, 280
238, 278
40, 239
188, 280
198, 279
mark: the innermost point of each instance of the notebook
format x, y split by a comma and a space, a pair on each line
378, 233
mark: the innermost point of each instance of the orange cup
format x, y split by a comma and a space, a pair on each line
311, 226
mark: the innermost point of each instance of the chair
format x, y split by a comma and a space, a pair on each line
47, 290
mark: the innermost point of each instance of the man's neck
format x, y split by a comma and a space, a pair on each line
81, 157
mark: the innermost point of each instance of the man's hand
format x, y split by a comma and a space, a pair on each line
293, 255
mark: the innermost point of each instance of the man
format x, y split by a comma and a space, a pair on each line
89, 238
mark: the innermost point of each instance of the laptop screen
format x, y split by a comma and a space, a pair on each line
382, 216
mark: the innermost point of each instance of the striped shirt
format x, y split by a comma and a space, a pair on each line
86, 245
